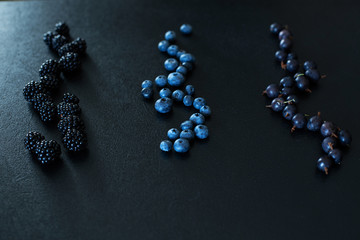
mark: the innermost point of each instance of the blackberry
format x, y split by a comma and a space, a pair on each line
39, 99
81, 45
62, 28
47, 151
75, 140
32, 139
50, 81
48, 36
70, 122
47, 111
71, 98
65, 109
70, 62
58, 41
69, 47
50, 66
31, 89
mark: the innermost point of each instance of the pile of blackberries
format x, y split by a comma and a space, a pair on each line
284, 99
178, 65
39, 94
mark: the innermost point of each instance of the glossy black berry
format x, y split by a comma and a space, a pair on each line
292, 99
302, 83
50, 81
324, 163
32, 139
31, 89
315, 123
313, 74
299, 121
39, 99
336, 155
75, 140
275, 28
345, 137
286, 91
70, 122
289, 112
62, 28
328, 144
292, 65
78, 46
70, 98
328, 129
285, 44
48, 36
58, 41
49, 67
81, 43
272, 91
47, 151
70, 62
65, 109
277, 104
309, 65
287, 81
47, 111
280, 55
285, 33
292, 55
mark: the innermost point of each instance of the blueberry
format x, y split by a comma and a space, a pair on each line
173, 133
190, 89
199, 102
188, 100
187, 125
147, 83
336, 155
163, 46
163, 105
286, 91
275, 28
188, 65
171, 64
175, 79
328, 144
187, 57
181, 145
327, 129
287, 81
161, 81
272, 91
292, 55
277, 104
197, 118
165, 92
299, 121
178, 95
289, 112
292, 99
345, 137
309, 65
147, 92
181, 69
170, 36
201, 131
313, 74
186, 29
180, 52
172, 50
166, 146
187, 134
314, 123
285, 44
280, 55
292, 65
302, 83
323, 164
205, 110
285, 33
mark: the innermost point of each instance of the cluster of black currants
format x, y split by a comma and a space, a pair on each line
39, 94
284, 99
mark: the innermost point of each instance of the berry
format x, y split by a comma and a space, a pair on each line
69, 47
180, 52
345, 137
178, 95
172, 50
199, 102
336, 155
70, 98
171, 64
32, 139
299, 121
39, 99
328, 144
186, 29
190, 89
277, 104
147, 92
47, 152
70, 122
287, 81
50, 81
309, 65
147, 83
188, 65
64, 109
272, 91
314, 123
163, 105
48, 36
75, 140
286, 91
280, 55
181, 145
197, 118
187, 57
323, 164
313, 74
205, 110
292, 55
170, 36
166, 146
285, 44
292, 65
275, 28
302, 83
31, 89
70, 62
289, 112
175, 79
285, 33
327, 129
187, 134
81, 45
50, 66
47, 111
163, 46
292, 99
181, 69
173, 133
161, 81
62, 28
165, 92
58, 41
188, 100
187, 125
201, 131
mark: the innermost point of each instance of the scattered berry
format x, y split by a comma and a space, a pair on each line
147, 93
275, 28
175, 79
47, 152
32, 139
277, 104
345, 137
313, 74
163, 105
65, 109
165, 92
201, 131
287, 82
205, 110
285, 34
299, 121
187, 57
50, 66
170, 36
272, 91
31, 89
327, 129
190, 89
181, 69
178, 95
186, 29
70, 62
188, 100
75, 140
39, 99
171, 64
292, 65
187, 134
62, 28
70, 98
280, 55
147, 83
336, 155
323, 164
199, 102
285, 44
328, 144
163, 46
70, 122
50, 81
47, 111
309, 65
161, 81
48, 36
173, 133
187, 125
166, 146
181, 145
289, 112
314, 123
172, 50
197, 118
58, 41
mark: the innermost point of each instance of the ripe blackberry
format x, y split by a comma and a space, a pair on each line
39, 99
50, 81
32, 139
75, 140
48, 36
70, 122
31, 89
58, 41
47, 111
70, 62
69, 47
65, 109
62, 28
47, 151
81, 45
50, 66
70, 98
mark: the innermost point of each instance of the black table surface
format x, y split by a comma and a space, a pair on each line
251, 179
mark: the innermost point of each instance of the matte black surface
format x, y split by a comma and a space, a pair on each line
251, 180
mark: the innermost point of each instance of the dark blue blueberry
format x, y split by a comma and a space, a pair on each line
287, 82
272, 91
309, 65
166, 146
299, 121
180, 52
171, 64
277, 104
280, 55
314, 123
289, 112
286, 91
336, 155
175, 79
147, 92
187, 125
181, 69
186, 29
323, 164
163, 105
190, 89
275, 28
205, 110
201, 131
199, 102
170, 36
285, 33
292, 99
147, 83
345, 137
285, 44
165, 92
188, 100
161, 81
173, 133
328, 144
292, 55
197, 118
178, 95
163, 46
187, 57
313, 74
181, 145
172, 50
187, 134
292, 65
327, 129
188, 65
302, 83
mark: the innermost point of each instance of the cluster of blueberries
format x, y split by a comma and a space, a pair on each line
180, 64
39, 94
284, 99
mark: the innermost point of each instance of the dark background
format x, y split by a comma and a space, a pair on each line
252, 179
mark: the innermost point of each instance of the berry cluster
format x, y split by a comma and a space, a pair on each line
170, 89
284, 99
